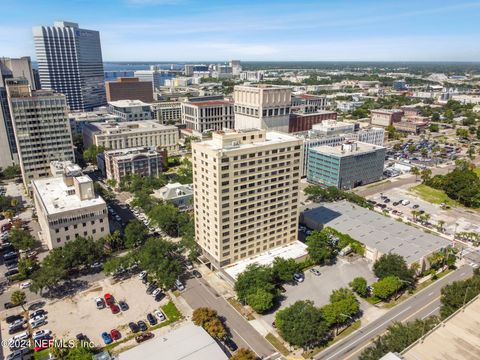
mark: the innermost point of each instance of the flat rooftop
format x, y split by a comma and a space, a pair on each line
293, 250
375, 230
188, 342
57, 197
130, 126
342, 150
127, 103
270, 137
458, 338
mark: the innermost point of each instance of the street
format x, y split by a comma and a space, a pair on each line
421, 305
199, 293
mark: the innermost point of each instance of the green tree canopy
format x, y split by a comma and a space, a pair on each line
386, 287
135, 234
319, 248
261, 300
18, 298
302, 324
21, 239
284, 269
392, 264
359, 285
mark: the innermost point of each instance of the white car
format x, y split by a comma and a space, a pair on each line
17, 338
298, 277
160, 315
15, 323
156, 292
24, 285
37, 321
40, 333
142, 275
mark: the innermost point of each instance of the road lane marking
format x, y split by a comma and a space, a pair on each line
245, 341
431, 293
431, 312
368, 333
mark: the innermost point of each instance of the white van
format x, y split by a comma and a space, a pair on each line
405, 202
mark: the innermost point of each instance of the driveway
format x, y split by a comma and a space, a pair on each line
319, 288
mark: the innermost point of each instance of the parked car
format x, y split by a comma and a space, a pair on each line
123, 305
12, 318
115, 334
10, 255
39, 312
142, 275
107, 339
298, 277
141, 325
196, 273
230, 344
151, 288
189, 265
16, 323
160, 315
179, 285
114, 308
40, 334
315, 271
159, 296
37, 321
133, 327
100, 303
143, 337
151, 319
24, 285
109, 299
9, 305
156, 292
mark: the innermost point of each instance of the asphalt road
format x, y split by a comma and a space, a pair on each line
423, 304
198, 293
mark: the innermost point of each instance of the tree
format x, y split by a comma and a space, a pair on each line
392, 264
319, 248
26, 266
433, 128
254, 277
165, 216
135, 233
90, 154
302, 324
202, 315
18, 298
359, 285
114, 240
415, 171
462, 133
14, 203
162, 259
455, 295
215, 328
386, 287
398, 337
425, 175
284, 269
391, 132
21, 239
11, 172
243, 354
261, 300
411, 148
9, 214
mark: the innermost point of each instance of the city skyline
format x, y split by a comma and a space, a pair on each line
185, 30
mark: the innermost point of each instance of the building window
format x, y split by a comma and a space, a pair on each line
66, 228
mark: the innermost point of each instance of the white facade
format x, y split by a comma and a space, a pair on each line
333, 127
41, 127
262, 107
167, 112
246, 186
70, 62
130, 110
67, 207
208, 115
123, 135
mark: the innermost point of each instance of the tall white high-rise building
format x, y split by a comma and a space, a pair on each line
70, 62
246, 188
41, 128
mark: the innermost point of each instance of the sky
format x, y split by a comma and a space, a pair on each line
257, 30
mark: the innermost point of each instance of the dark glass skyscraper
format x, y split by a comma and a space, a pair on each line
70, 62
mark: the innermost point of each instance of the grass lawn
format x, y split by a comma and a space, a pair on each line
355, 326
240, 309
433, 196
277, 344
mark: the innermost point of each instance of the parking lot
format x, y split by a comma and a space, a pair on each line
456, 219
318, 288
79, 314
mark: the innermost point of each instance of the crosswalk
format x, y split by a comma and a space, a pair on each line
274, 356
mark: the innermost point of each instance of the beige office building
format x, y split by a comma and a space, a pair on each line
208, 115
114, 136
67, 207
167, 112
41, 128
262, 107
246, 193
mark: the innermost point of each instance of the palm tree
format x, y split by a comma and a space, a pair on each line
415, 171
18, 298
8, 214
440, 224
425, 174
14, 203
415, 267
415, 214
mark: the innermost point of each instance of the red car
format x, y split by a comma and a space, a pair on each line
115, 334
143, 337
115, 309
109, 299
